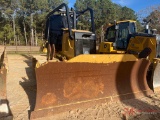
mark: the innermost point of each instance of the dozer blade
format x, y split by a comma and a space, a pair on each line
156, 76
3, 72
63, 86
2, 79
4, 109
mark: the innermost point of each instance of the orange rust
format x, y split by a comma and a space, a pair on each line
85, 84
88, 88
49, 99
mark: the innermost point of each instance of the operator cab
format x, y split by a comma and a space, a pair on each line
120, 33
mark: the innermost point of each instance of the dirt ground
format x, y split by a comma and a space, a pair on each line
21, 93
21, 86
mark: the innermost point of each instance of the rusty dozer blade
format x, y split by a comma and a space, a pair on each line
2, 79
63, 86
4, 109
3, 72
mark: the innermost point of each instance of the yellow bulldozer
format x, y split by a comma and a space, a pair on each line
123, 68
122, 37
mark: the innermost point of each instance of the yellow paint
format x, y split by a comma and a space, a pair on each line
107, 47
104, 58
138, 43
126, 21
67, 45
44, 50
70, 44
38, 64
118, 22
68, 49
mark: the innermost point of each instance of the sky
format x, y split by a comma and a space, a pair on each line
136, 5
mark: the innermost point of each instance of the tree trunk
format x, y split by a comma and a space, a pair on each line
16, 42
25, 33
102, 34
35, 37
42, 35
14, 29
5, 40
18, 39
32, 32
32, 37
9, 41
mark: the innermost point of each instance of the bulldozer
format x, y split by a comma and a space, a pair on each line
122, 37
117, 72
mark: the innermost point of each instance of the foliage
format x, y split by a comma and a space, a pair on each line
24, 20
104, 11
22, 16
155, 20
153, 13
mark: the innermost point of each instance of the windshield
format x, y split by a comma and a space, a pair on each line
132, 28
111, 34
122, 35
124, 30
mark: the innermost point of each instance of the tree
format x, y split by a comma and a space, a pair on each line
7, 33
104, 11
153, 13
25, 16
36, 11
155, 20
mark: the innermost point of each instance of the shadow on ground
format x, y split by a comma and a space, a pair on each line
29, 83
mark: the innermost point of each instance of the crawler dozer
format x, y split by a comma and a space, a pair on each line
121, 37
85, 77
